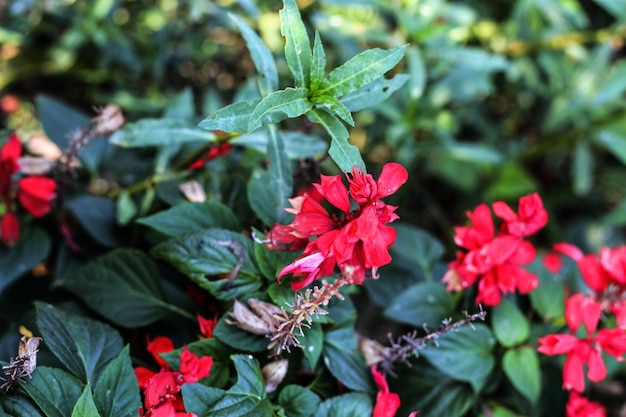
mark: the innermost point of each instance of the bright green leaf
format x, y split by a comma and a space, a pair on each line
233, 118
83, 345
297, 43
116, 393
425, 303
521, 366
360, 70
290, 102
417, 72
613, 139
53, 390
192, 217
318, 68
85, 406
335, 106
159, 132
30, 250
261, 56
548, 299
509, 324
123, 285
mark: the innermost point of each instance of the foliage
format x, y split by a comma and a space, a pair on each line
184, 234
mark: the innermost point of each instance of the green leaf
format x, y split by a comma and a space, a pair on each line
345, 155
192, 217
417, 71
233, 118
261, 56
417, 247
30, 250
97, 217
298, 401
425, 303
582, 169
271, 262
117, 393
297, 43
290, 102
298, 145
245, 398
83, 345
318, 68
159, 132
239, 338
360, 70
335, 106
509, 324
18, 406
267, 206
312, 343
549, 298
613, 139
213, 252
126, 209
53, 390
354, 404
373, 93
475, 153
521, 366
617, 8
181, 106
343, 360
464, 355
124, 286
85, 406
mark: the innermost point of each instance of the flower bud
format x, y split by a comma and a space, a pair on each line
274, 373
193, 191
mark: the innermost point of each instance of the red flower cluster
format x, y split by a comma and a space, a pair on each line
578, 406
387, 403
35, 193
585, 350
162, 389
356, 241
496, 259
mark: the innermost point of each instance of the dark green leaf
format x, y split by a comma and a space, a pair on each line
297, 43
192, 217
344, 361
360, 70
312, 343
83, 345
425, 303
521, 366
318, 67
30, 250
265, 204
97, 217
475, 153
200, 399
549, 298
509, 324
117, 393
354, 404
213, 252
417, 246
373, 93
124, 286
261, 56
159, 132
298, 145
54, 390
239, 338
232, 118
85, 406
17, 406
291, 102
270, 262
582, 169
280, 175
298, 401
345, 155
464, 355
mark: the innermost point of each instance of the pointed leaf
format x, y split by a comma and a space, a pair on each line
53, 390
192, 217
373, 93
312, 344
354, 404
238, 338
159, 132
117, 394
297, 43
424, 303
318, 68
261, 56
124, 286
298, 401
18, 406
344, 361
335, 106
345, 155
360, 70
509, 324
521, 366
83, 345
85, 406
232, 118
291, 102
279, 171
30, 250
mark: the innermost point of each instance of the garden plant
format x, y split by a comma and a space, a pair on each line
314, 208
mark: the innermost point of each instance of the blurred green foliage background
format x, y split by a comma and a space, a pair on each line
504, 98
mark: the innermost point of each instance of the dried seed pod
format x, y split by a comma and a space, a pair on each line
266, 311
109, 120
245, 319
274, 373
193, 191
373, 351
23, 365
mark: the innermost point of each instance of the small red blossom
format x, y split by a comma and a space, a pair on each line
206, 326
387, 403
214, 152
194, 368
579, 406
9, 229
356, 241
496, 259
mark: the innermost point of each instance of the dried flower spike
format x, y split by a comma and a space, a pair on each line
23, 365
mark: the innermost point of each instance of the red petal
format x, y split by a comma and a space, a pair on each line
568, 250
333, 189
35, 194
573, 373
9, 229
391, 178
160, 344
580, 309
557, 344
593, 273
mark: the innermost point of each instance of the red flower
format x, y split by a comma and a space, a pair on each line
193, 368
160, 344
36, 194
387, 403
206, 326
9, 229
583, 351
496, 259
357, 241
579, 406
